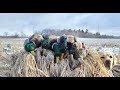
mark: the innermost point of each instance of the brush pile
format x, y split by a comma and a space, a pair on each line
5, 66
26, 65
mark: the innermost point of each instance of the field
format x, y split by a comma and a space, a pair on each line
101, 42
17, 43
17, 47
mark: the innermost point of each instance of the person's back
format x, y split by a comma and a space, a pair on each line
45, 42
59, 48
48, 41
32, 43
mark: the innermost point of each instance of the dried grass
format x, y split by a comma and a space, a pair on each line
23, 64
5, 67
26, 66
115, 71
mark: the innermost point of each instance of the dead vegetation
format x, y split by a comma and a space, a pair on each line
115, 71
5, 66
24, 65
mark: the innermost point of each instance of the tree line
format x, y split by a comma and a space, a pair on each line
79, 33
15, 35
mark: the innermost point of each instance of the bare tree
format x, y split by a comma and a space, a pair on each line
16, 35
6, 34
86, 31
82, 31
98, 33
23, 34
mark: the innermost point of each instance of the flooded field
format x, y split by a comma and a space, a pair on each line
88, 41
101, 42
94, 43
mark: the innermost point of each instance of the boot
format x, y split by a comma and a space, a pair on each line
33, 53
62, 56
56, 59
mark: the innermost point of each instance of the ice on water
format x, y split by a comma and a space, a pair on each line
112, 49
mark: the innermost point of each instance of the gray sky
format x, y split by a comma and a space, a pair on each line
109, 23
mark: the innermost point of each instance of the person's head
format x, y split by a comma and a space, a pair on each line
36, 38
63, 42
63, 39
71, 38
45, 36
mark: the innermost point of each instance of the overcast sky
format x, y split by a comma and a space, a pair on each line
108, 23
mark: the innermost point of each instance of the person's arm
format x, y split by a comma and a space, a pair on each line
56, 50
73, 49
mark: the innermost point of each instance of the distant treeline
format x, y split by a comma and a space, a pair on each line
79, 33
12, 37
16, 35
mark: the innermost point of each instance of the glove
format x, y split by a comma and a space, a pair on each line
33, 53
74, 46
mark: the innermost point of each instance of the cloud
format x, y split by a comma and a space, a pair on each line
17, 22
